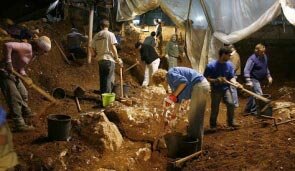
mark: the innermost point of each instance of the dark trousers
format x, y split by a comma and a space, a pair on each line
106, 75
16, 96
216, 97
79, 53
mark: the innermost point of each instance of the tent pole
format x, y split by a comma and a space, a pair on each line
187, 26
91, 14
207, 15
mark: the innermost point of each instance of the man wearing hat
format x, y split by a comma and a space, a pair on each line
16, 56
255, 71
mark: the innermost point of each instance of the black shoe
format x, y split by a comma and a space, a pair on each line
24, 128
29, 115
234, 125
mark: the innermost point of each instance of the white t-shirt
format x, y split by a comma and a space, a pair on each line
101, 43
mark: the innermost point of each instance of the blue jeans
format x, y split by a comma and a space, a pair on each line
216, 97
251, 104
106, 75
234, 92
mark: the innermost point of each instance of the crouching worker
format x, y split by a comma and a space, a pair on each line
16, 57
187, 83
8, 158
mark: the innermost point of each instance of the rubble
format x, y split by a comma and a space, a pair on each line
99, 131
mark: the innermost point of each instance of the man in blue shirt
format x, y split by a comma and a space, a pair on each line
255, 71
216, 72
187, 83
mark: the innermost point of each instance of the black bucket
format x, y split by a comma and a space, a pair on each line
173, 142
188, 146
59, 93
117, 90
264, 108
59, 127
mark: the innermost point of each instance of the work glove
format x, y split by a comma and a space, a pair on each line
249, 82
166, 56
169, 100
269, 80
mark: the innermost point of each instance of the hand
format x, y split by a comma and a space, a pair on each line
220, 80
239, 86
269, 80
169, 100
28, 80
249, 83
120, 62
166, 56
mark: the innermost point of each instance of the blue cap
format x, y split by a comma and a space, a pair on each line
2, 116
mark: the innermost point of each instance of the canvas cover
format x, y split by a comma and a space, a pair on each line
214, 22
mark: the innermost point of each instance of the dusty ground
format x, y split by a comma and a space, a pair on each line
250, 148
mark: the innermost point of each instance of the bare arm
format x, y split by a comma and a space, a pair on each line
179, 89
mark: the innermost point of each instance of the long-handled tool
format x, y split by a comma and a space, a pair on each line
121, 82
132, 66
62, 52
249, 92
30, 83
184, 159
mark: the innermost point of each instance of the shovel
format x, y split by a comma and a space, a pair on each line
249, 92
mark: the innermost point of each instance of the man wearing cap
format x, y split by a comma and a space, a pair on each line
103, 48
16, 56
8, 157
255, 71
217, 72
74, 41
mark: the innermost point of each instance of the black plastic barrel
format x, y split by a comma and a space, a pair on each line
59, 127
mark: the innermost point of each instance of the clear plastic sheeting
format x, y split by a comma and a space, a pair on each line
238, 32
128, 9
288, 7
231, 21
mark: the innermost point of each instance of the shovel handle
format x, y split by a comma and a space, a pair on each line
132, 66
121, 82
249, 92
35, 87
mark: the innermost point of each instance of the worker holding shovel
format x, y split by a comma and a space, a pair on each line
16, 57
217, 71
103, 48
185, 84
256, 70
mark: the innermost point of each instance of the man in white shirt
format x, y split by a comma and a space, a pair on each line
103, 47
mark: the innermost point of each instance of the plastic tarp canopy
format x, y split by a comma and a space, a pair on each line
231, 20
